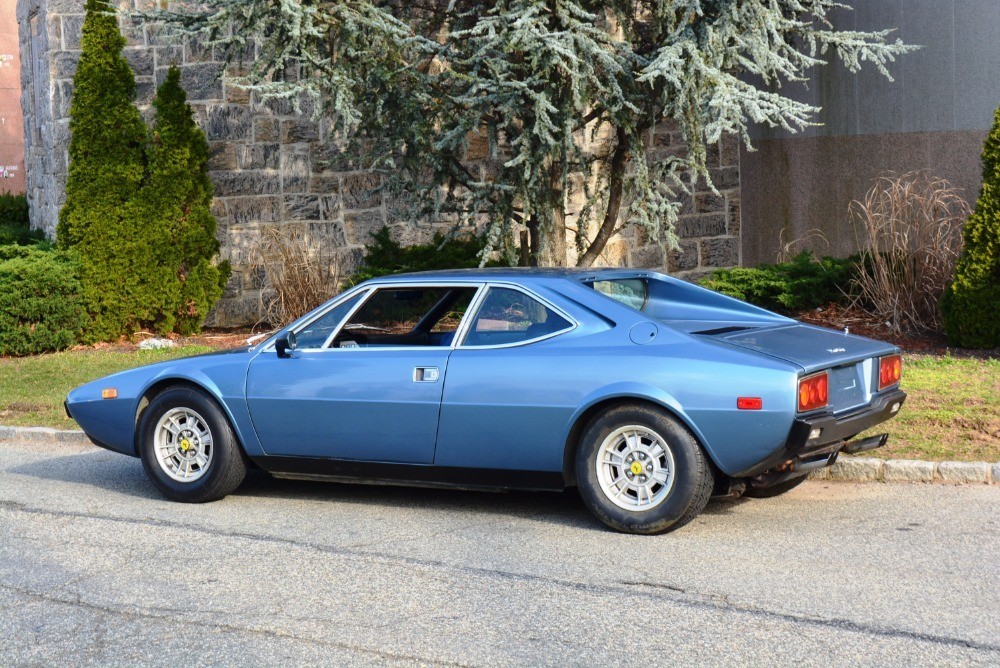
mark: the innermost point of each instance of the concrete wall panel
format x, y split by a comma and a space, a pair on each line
934, 116
791, 187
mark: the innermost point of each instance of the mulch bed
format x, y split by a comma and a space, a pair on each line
857, 321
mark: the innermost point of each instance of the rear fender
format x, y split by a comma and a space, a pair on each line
622, 392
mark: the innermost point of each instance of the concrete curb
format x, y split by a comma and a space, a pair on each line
42, 435
856, 469
909, 470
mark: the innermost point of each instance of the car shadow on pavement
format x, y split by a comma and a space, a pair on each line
118, 474
564, 507
97, 468
123, 475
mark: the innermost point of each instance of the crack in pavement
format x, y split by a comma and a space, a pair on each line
654, 591
174, 621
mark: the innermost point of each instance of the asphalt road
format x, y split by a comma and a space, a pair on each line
95, 568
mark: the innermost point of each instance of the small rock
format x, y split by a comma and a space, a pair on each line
156, 344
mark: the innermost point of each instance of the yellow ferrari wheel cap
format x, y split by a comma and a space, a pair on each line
636, 468
185, 445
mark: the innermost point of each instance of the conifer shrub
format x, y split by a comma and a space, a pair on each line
384, 255
41, 300
802, 282
101, 219
137, 205
14, 224
176, 200
971, 304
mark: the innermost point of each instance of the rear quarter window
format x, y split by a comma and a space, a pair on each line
632, 292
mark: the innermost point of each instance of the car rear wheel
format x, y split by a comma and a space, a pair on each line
187, 447
774, 490
641, 471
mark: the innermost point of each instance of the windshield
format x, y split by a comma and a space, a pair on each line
633, 292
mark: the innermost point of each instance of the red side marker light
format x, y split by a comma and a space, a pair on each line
890, 370
749, 403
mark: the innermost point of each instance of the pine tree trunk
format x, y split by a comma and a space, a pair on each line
615, 186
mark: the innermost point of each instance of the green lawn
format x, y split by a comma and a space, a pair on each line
32, 389
952, 413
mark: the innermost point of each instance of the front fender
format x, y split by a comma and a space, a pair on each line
228, 392
111, 422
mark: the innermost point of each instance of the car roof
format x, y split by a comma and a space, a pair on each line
520, 273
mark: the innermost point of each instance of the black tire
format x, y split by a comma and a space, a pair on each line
683, 497
225, 468
774, 490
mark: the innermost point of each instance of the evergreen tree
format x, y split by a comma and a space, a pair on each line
564, 92
106, 171
177, 199
971, 304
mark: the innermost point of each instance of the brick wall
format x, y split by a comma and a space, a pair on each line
271, 166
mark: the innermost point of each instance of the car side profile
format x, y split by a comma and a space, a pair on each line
648, 393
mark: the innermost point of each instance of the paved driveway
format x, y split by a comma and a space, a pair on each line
95, 568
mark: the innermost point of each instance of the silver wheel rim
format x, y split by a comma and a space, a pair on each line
635, 468
183, 444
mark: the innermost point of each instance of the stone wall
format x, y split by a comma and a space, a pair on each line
271, 166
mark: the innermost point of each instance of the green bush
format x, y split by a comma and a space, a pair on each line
100, 219
802, 282
137, 206
177, 198
41, 300
971, 304
385, 256
14, 226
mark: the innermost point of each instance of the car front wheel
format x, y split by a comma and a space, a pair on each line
187, 447
641, 471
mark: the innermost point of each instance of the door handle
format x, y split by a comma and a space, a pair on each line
425, 374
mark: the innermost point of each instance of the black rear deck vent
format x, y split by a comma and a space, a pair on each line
723, 330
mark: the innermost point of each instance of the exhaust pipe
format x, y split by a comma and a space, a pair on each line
866, 444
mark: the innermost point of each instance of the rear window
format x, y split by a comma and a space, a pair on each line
633, 292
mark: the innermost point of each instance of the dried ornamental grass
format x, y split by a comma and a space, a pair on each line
910, 235
301, 274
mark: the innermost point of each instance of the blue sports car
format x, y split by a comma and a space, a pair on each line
648, 393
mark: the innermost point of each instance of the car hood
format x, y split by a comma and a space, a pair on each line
808, 346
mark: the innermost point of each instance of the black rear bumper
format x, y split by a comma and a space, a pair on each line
840, 428
802, 453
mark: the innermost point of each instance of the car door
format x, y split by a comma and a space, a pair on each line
370, 389
511, 387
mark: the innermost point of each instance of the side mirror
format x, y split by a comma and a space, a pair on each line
285, 345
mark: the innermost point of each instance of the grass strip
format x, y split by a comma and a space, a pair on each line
32, 389
952, 411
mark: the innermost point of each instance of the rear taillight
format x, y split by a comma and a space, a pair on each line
890, 369
813, 392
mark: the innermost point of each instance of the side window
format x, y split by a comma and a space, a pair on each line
315, 334
510, 316
407, 316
